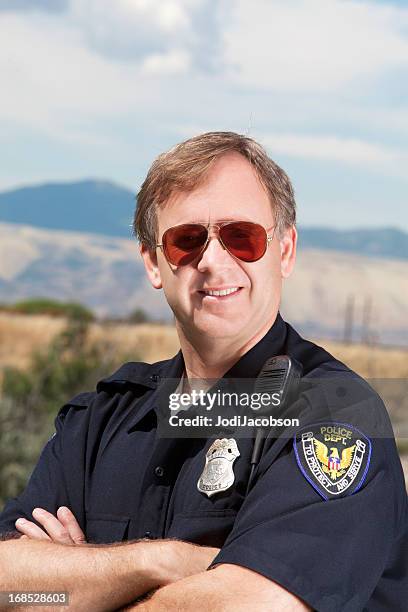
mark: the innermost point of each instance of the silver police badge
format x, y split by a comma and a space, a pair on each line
218, 474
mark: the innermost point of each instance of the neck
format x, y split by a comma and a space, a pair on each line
211, 358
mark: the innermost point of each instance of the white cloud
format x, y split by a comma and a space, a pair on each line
348, 150
174, 62
329, 148
124, 21
54, 79
311, 45
57, 70
50, 78
70, 77
383, 159
131, 30
95, 59
172, 16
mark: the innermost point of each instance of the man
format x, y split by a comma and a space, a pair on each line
322, 522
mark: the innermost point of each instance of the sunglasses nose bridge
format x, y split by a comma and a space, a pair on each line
214, 232
207, 255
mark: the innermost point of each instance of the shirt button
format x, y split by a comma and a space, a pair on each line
148, 534
159, 471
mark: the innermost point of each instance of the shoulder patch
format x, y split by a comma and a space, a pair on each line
333, 457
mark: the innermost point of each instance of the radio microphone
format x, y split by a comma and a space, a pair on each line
279, 378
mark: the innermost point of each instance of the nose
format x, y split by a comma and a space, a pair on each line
214, 253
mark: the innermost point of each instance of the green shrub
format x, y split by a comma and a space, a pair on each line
54, 308
138, 316
31, 398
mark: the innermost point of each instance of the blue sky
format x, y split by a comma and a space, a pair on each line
97, 88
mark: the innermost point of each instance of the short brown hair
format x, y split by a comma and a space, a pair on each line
186, 165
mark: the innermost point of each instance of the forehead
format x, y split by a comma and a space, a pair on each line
231, 190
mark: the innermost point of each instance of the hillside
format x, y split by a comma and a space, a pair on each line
107, 275
324, 283
384, 242
102, 272
102, 207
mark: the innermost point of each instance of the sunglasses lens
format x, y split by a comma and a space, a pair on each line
245, 240
183, 243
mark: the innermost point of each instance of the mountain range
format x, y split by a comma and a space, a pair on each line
330, 295
98, 207
102, 207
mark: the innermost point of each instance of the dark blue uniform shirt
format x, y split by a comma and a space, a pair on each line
123, 482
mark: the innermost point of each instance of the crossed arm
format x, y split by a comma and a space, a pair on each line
110, 577
227, 587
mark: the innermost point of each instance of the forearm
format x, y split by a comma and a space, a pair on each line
190, 595
225, 588
97, 578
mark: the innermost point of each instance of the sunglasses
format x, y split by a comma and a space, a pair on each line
244, 240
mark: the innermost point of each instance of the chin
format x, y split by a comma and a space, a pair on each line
216, 327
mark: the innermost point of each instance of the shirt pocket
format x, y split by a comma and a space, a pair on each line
207, 528
106, 529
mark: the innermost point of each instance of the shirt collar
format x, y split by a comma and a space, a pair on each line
272, 344
248, 366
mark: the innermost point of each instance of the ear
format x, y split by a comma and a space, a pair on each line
288, 244
149, 257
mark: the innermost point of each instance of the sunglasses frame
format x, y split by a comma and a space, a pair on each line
218, 226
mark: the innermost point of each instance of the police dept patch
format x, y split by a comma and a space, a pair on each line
218, 474
333, 457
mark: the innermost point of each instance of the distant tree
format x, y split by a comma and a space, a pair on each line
139, 316
54, 308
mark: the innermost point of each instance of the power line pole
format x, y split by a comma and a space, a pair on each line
365, 327
348, 320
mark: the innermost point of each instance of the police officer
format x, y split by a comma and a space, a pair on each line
321, 525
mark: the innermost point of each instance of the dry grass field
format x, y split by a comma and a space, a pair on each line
20, 335
370, 361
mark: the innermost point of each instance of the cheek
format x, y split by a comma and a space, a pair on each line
273, 263
266, 284
175, 282
264, 273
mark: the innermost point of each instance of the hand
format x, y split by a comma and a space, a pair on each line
62, 529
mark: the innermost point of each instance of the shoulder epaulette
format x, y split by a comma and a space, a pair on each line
133, 373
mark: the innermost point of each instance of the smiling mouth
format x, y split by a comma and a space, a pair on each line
220, 293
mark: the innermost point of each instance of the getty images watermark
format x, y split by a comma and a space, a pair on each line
214, 404
232, 407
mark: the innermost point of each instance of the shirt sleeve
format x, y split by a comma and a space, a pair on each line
328, 550
45, 488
